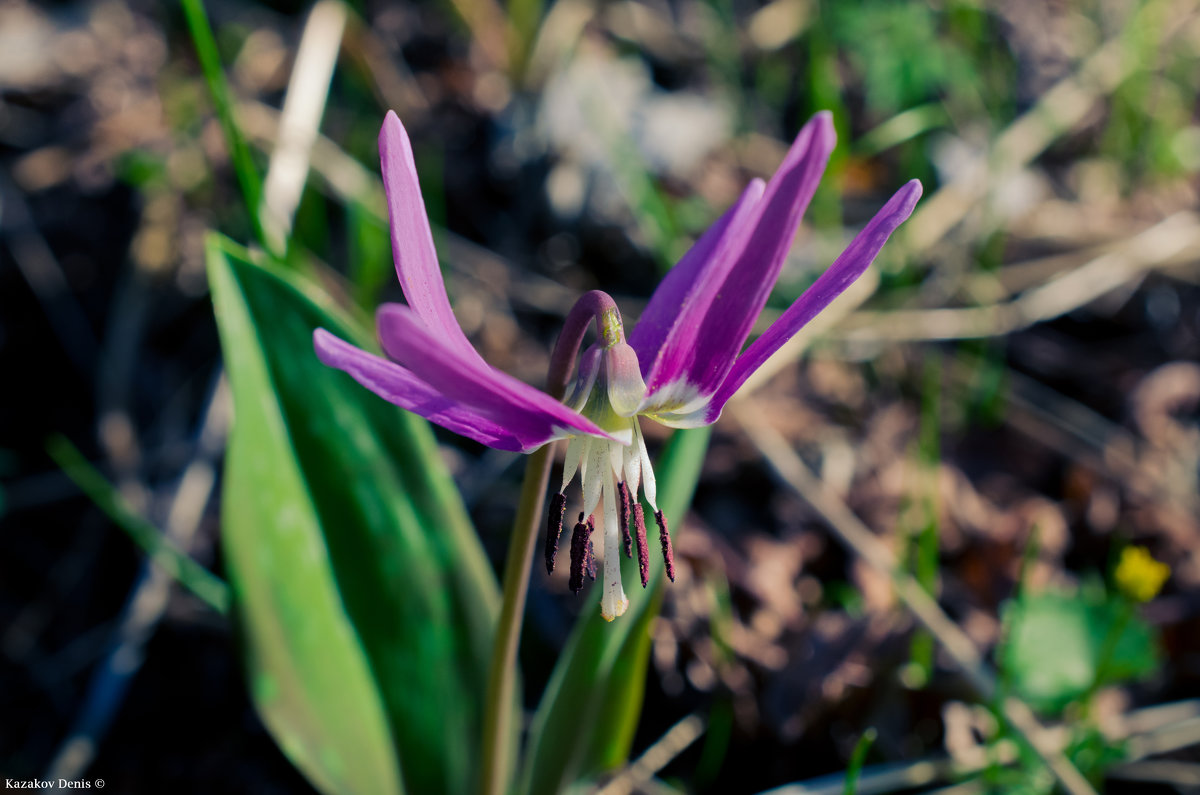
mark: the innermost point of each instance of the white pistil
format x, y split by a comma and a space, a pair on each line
612, 602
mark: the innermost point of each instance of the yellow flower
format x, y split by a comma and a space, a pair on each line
1139, 576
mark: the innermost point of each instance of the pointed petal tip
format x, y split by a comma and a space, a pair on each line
824, 132
320, 339
811, 147
326, 346
392, 129
911, 193
386, 316
388, 310
901, 205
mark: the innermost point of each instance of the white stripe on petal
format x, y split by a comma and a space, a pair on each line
677, 397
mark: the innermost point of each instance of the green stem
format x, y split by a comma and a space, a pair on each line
1108, 650
210, 64
857, 758
497, 716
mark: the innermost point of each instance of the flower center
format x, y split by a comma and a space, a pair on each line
609, 391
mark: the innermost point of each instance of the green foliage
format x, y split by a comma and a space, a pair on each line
717, 735
857, 759
202, 583
210, 64
370, 254
923, 539
1087, 749
893, 78
1061, 646
1151, 107
364, 598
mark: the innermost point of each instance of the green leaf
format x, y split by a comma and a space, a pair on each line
348, 549
1061, 646
587, 717
175, 561
857, 759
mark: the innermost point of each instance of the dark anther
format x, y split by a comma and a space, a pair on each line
558, 506
665, 538
623, 493
590, 560
579, 553
639, 523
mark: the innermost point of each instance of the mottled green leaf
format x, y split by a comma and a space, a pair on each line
380, 564
587, 717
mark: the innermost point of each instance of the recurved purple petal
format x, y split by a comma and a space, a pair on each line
398, 385
512, 404
741, 296
840, 275
664, 331
412, 240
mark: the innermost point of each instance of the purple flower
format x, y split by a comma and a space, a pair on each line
682, 361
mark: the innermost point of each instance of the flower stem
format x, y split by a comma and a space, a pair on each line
502, 675
497, 716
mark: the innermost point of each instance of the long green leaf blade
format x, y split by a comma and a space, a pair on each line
310, 678
410, 575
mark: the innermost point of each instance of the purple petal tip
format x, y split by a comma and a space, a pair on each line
391, 126
909, 195
826, 133
323, 345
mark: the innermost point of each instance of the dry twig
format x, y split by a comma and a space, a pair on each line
674, 742
859, 539
298, 124
1171, 240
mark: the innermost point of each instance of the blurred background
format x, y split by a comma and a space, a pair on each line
1008, 404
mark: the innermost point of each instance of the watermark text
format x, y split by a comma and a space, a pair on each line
53, 783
